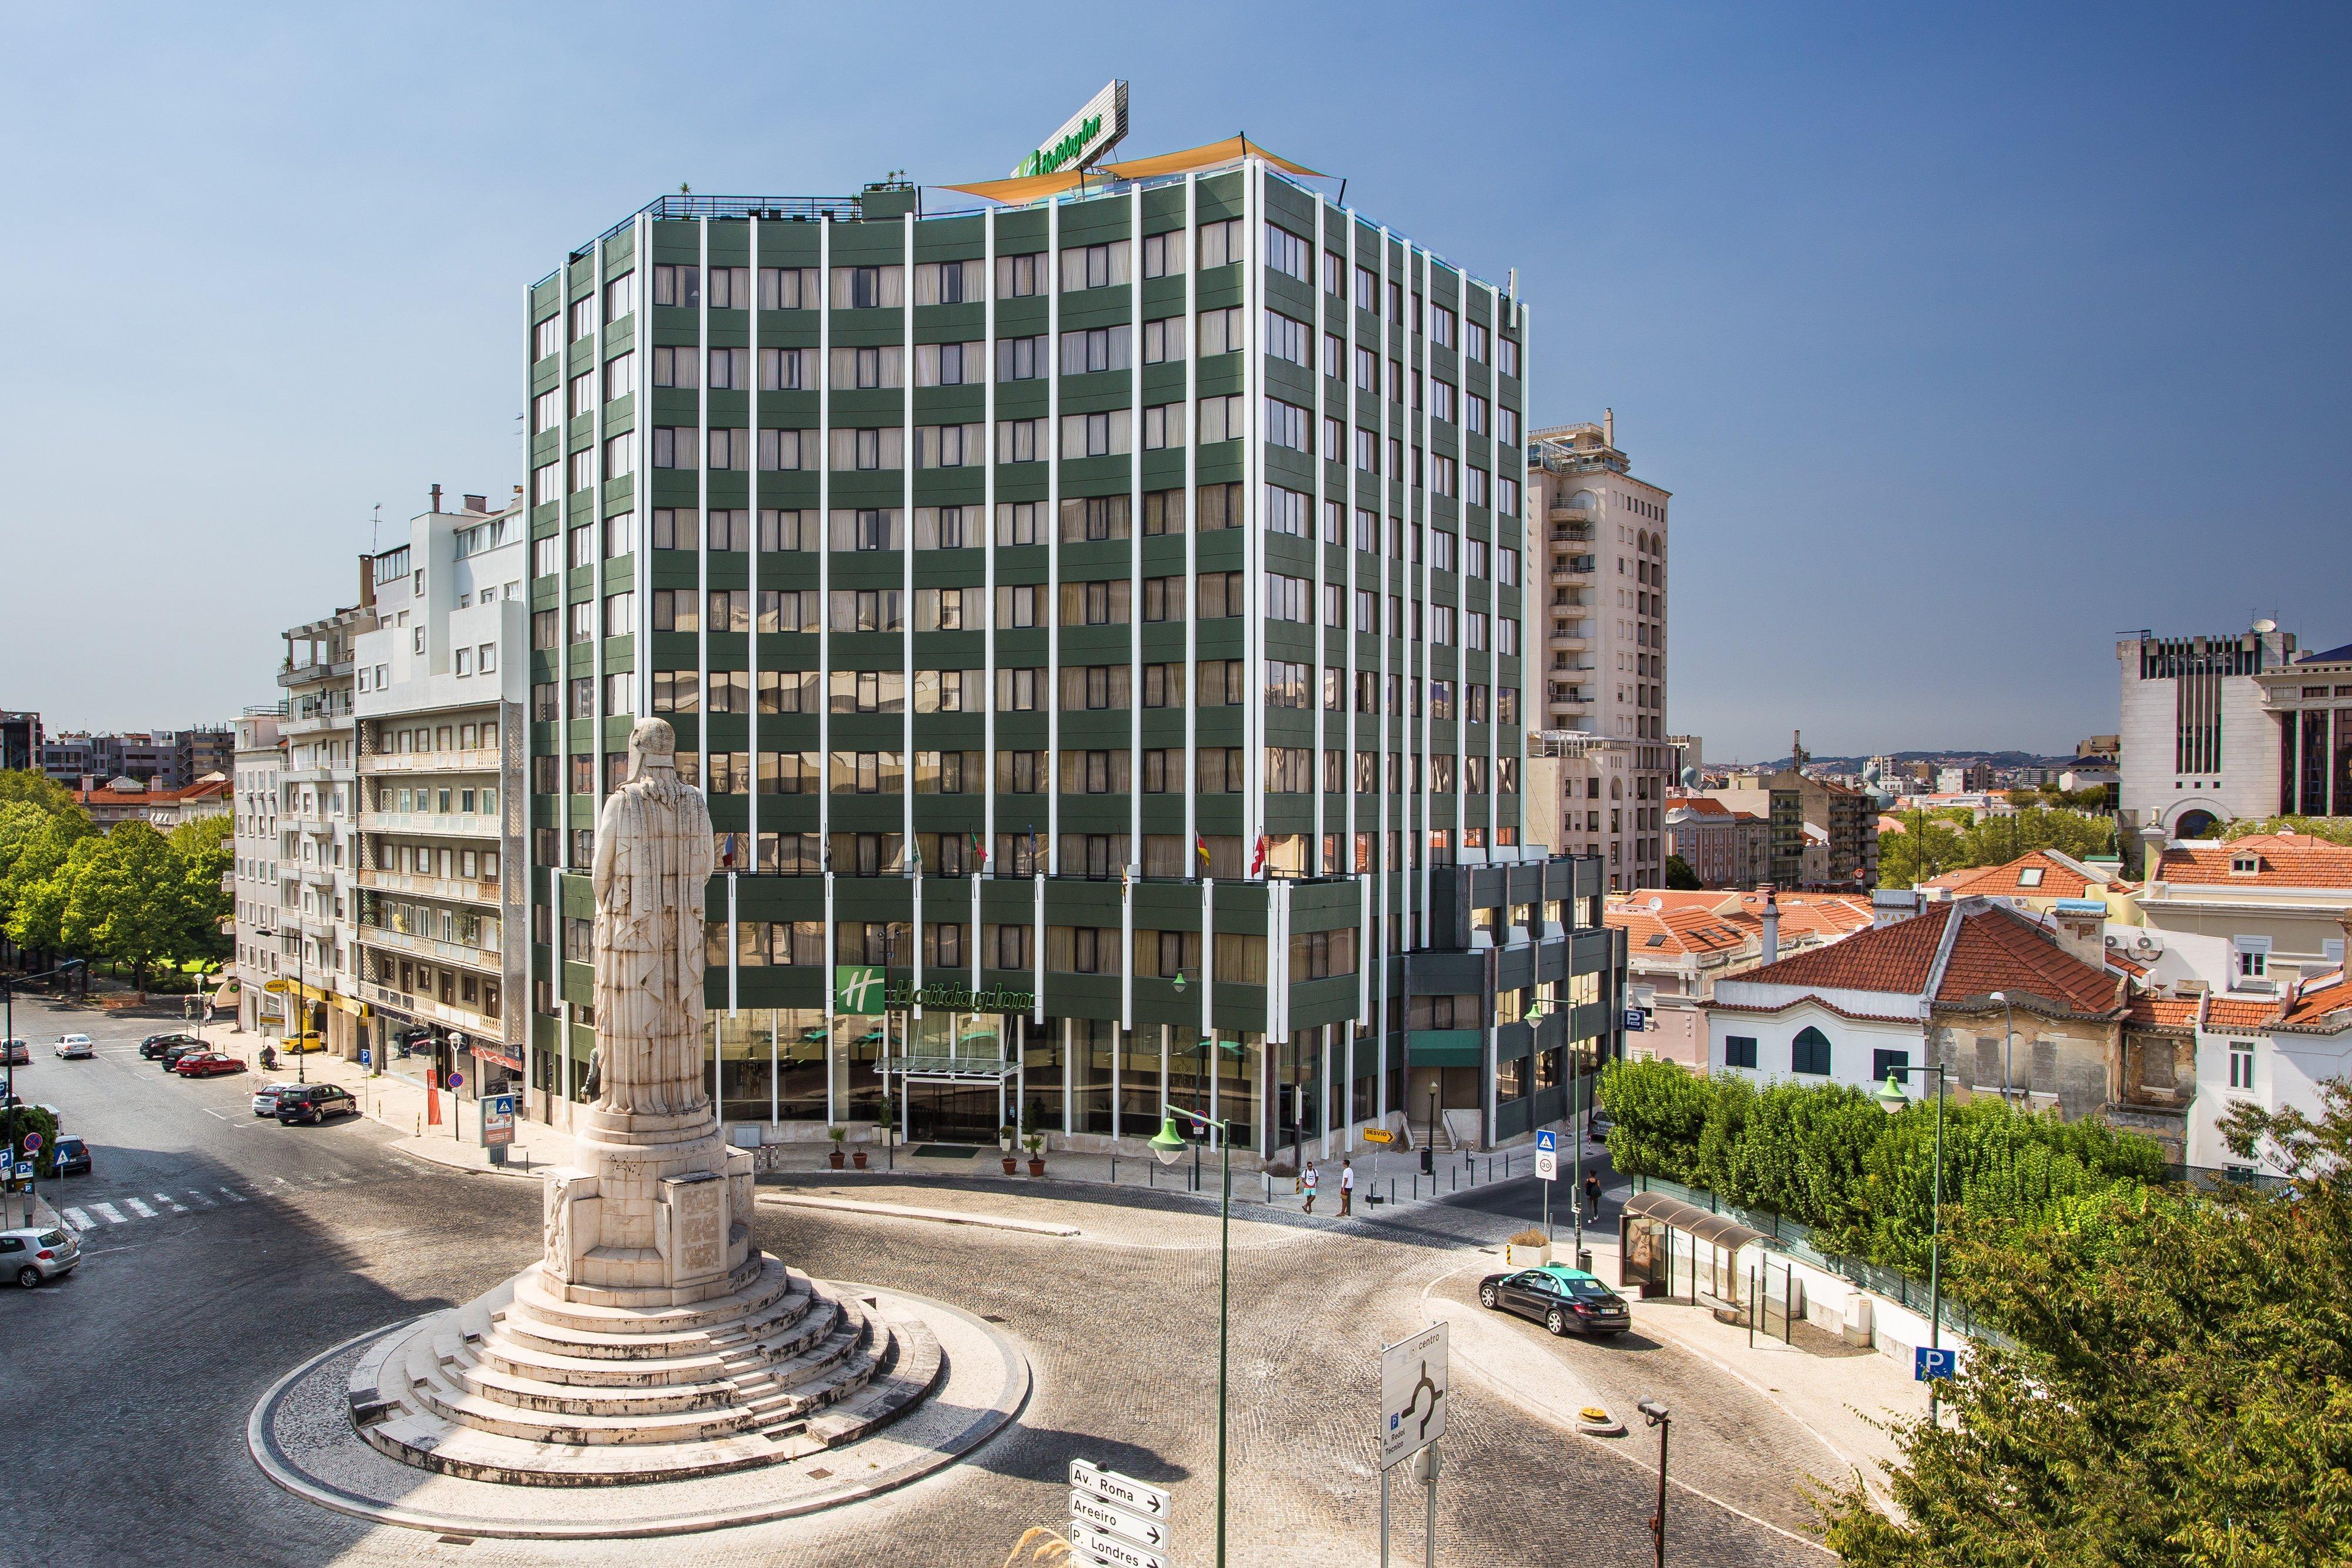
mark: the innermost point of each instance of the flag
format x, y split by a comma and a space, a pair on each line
1127, 881
979, 849
914, 856
1257, 856
1032, 847
1200, 843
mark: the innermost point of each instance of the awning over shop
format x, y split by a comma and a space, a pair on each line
1698, 1224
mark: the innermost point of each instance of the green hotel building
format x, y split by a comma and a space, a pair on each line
1097, 623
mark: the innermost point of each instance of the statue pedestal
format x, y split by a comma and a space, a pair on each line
657, 1212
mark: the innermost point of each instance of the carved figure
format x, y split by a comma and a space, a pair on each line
654, 857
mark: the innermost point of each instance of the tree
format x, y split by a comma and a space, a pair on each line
34, 843
205, 855
1680, 877
2334, 829
25, 787
2176, 1388
125, 900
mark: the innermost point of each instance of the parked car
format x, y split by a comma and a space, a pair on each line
1565, 1300
18, 1053
170, 1054
76, 1047
72, 1157
265, 1099
312, 1103
155, 1045
29, 1256
207, 1064
7, 1100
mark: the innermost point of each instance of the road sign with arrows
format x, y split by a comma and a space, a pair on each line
1116, 1521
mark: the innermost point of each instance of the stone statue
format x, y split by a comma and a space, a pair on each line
654, 857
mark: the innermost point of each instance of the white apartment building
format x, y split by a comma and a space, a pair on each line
2198, 745
255, 770
1601, 614
438, 690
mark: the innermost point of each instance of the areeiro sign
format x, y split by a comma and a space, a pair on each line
866, 990
1082, 138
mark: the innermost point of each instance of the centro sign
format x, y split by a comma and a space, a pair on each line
1084, 137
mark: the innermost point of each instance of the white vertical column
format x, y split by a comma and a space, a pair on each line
751, 823
824, 605
1134, 566
1254, 518
1316, 526
1052, 697
987, 577
906, 561
1191, 531
1417, 338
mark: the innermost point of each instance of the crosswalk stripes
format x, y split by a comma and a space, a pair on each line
108, 1213
232, 1195
78, 1220
139, 1209
93, 1214
173, 1204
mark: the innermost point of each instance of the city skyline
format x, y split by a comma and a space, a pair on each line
1905, 252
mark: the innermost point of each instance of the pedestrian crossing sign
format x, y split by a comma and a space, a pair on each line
1546, 1141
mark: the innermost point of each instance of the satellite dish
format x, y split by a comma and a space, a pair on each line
1657, 904
2266, 625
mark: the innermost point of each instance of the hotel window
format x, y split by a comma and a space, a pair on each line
788, 288
1021, 359
1222, 242
674, 445
1221, 332
1287, 424
620, 376
948, 691
1098, 349
1287, 338
1163, 685
547, 411
1223, 419
951, 364
1020, 441
730, 449
868, 287
1017, 522
1094, 266
1507, 356
788, 691
950, 528
583, 469
1163, 340
583, 545
728, 368
1474, 414
951, 445
1095, 517
1021, 772
730, 288
1507, 426
1287, 684
1221, 507
547, 337
949, 609
620, 615
620, 297
1473, 486
676, 367
784, 529
1440, 401
1335, 272
1287, 254
1096, 772
1474, 342
546, 483
1096, 435
1164, 426
1289, 599
868, 610
621, 455
868, 529
866, 691
1018, 277
1219, 681
788, 370
870, 369
1507, 501
868, 773
1287, 511
788, 451
870, 449
1163, 253
949, 282
1096, 603
583, 622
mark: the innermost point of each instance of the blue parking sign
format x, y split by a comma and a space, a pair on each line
1928, 1363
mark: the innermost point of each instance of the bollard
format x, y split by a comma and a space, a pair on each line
1391, 1192
1114, 1170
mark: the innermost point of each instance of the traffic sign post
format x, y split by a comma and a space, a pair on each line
1412, 1418
1546, 1172
497, 1125
1116, 1521
1928, 1363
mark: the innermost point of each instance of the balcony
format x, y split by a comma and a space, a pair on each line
434, 949
479, 761
312, 724
452, 889
425, 1008
452, 824
307, 674
1579, 567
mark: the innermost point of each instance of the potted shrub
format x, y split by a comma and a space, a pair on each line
885, 1120
1005, 1137
1035, 1143
838, 1135
858, 1156
1528, 1250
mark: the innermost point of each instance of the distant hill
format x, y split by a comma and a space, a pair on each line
2000, 759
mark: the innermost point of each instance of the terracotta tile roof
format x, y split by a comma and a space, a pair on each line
1706, 806
1904, 1016
1678, 931
2122, 965
2060, 878
2000, 950
2316, 1007
1896, 958
2162, 1012
2284, 860
2229, 1012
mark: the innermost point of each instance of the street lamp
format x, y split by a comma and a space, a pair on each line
1892, 1100
2008, 1047
1664, 1420
1169, 1144
301, 1003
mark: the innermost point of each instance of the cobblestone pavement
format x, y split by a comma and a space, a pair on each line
146, 1362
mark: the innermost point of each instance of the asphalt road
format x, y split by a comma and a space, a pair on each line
129, 1383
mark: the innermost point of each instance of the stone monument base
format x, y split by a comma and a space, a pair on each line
541, 1384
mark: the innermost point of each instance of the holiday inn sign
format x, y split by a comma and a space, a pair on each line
1086, 136
865, 989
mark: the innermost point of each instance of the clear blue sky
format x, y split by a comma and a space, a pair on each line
1965, 337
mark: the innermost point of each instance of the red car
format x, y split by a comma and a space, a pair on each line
207, 1064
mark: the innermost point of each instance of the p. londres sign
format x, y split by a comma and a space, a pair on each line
1084, 137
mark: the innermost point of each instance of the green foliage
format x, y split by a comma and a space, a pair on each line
1829, 1157
34, 843
2334, 829
34, 1119
1679, 875
131, 897
1933, 843
2179, 1389
21, 786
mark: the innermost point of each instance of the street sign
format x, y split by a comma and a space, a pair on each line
24, 1171
1547, 1165
497, 1120
1136, 1497
1110, 1551
1926, 1363
456, 1078
1546, 1140
1634, 1022
1092, 1512
1413, 1393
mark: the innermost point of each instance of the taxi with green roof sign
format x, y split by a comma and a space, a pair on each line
1565, 1300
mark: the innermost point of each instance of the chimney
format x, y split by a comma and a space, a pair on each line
1608, 427
478, 503
436, 497
2151, 866
2081, 929
1771, 924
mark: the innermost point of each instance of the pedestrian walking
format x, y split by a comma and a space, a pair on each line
1308, 1179
1593, 1195
1347, 1186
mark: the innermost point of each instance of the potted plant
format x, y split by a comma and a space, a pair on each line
1035, 1143
886, 1120
1005, 1137
839, 1136
858, 1156
1530, 1249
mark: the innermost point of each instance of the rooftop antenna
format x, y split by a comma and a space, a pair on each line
375, 527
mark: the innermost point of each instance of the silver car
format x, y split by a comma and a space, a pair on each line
76, 1047
29, 1256
265, 1099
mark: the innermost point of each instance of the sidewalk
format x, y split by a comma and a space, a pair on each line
397, 1097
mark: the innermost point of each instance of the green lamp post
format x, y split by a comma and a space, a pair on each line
1892, 1100
1170, 1144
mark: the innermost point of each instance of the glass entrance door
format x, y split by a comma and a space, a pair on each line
952, 1112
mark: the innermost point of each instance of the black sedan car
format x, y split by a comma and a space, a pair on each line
155, 1045
1565, 1300
186, 1045
72, 1157
312, 1103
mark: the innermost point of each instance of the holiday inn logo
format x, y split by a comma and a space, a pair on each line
857, 989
